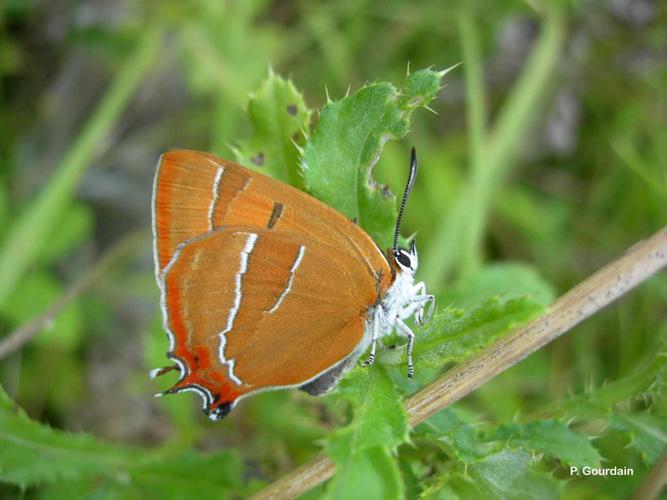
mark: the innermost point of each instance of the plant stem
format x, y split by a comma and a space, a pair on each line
462, 241
476, 118
638, 264
34, 226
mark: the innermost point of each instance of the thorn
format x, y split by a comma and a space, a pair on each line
305, 133
298, 148
428, 108
347, 92
326, 91
407, 73
234, 149
447, 70
270, 71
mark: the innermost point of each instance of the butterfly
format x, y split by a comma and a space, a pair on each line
264, 287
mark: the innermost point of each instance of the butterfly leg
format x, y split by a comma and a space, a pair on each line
416, 306
405, 330
424, 300
374, 339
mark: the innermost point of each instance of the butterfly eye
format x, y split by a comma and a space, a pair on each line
403, 259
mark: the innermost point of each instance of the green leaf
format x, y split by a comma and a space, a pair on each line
278, 114
33, 454
455, 334
507, 474
189, 475
648, 380
379, 417
507, 280
362, 449
347, 142
449, 431
553, 438
372, 473
647, 433
186, 476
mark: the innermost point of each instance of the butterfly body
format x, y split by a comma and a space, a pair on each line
263, 287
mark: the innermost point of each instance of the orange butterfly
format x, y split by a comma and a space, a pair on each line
264, 287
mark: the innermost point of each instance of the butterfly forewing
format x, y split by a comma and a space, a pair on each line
195, 193
250, 309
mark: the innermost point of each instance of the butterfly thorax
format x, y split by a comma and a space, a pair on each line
398, 296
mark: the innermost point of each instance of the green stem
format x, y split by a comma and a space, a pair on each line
458, 242
34, 226
471, 257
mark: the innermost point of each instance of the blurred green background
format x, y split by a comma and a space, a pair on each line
548, 149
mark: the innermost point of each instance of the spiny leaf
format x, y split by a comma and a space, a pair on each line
278, 114
451, 433
455, 334
33, 454
647, 380
553, 438
647, 433
508, 474
379, 418
372, 473
362, 449
347, 142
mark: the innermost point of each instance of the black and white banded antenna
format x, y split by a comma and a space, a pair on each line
408, 188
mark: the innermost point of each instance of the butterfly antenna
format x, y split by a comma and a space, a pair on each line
408, 188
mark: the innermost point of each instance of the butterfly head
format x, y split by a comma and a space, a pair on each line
406, 261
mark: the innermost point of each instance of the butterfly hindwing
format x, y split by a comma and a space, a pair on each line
252, 309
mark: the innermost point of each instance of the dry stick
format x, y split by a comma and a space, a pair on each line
19, 337
615, 279
654, 482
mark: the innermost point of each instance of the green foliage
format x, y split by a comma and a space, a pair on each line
35, 293
372, 473
28, 233
508, 280
553, 438
454, 334
347, 141
279, 118
363, 448
76, 228
33, 454
379, 418
507, 474
482, 467
646, 432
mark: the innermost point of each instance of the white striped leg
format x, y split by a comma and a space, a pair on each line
416, 305
423, 314
374, 340
405, 330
